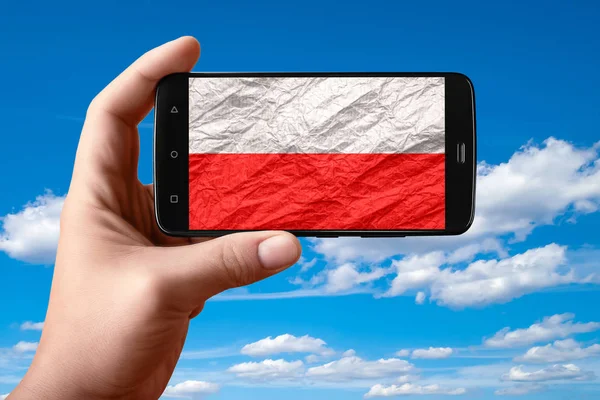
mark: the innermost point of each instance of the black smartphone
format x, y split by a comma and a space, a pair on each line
316, 154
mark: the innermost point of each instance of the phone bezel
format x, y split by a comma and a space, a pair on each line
171, 133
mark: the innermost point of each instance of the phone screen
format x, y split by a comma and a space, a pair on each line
317, 153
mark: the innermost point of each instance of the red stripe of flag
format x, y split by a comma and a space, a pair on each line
316, 191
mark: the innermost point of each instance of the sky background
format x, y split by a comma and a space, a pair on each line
525, 276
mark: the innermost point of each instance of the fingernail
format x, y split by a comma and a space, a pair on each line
278, 252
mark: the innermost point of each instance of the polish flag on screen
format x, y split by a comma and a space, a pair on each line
330, 153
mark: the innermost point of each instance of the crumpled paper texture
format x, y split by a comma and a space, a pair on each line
317, 153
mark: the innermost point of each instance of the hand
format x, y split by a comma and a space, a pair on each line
123, 293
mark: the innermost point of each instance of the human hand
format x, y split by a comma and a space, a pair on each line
123, 293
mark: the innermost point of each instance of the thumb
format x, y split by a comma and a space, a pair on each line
199, 271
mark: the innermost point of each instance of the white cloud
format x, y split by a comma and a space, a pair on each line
432, 353
312, 358
32, 326
268, 369
416, 272
286, 344
532, 188
513, 198
483, 282
420, 298
554, 327
306, 265
31, 235
191, 389
408, 378
4, 396
315, 358
554, 372
411, 389
559, 351
403, 353
348, 371
347, 276
468, 252
520, 390
349, 353
351, 368
499, 281
314, 280
24, 347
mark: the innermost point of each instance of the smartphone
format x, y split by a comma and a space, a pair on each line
315, 154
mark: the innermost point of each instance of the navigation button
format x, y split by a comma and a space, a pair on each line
174, 110
174, 154
174, 199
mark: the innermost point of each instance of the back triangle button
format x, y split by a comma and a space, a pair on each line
174, 110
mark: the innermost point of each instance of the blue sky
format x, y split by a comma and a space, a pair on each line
531, 255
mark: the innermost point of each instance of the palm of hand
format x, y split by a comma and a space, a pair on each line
112, 223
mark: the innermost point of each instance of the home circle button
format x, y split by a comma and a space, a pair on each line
174, 154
